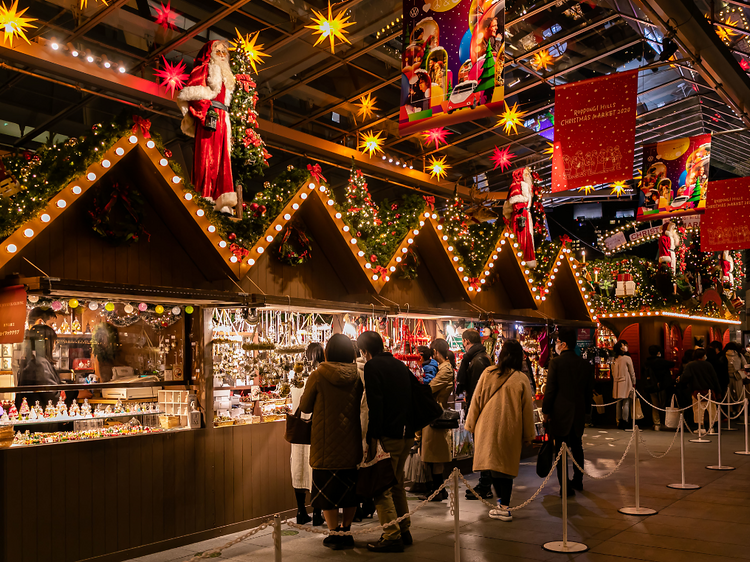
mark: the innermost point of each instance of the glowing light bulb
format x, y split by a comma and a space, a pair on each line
261, 249
163, 162
295, 206
151, 144
76, 189
278, 228
28, 233
287, 217
45, 217
211, 228
11, 248
269, 238
303, 195
175, 179
119, 151
91, 176
188, 196
251, 261
233, 259
61, 203
133, 139
200, 212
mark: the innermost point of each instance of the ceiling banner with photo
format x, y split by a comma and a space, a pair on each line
594, 131
726, 223
675, 178
452, 65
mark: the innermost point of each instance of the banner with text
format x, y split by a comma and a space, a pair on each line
594, 131
12, 314
726, 222
618, 240
675, 178
452, 66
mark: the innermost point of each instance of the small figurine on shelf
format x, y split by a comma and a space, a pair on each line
12, 412
33, 416
76, 326
118, 407
85, 409
38, 410
108, 410
99, 411
65, 328
50, 411
4, 417
74, 410
62, 409
24, 411
88, 329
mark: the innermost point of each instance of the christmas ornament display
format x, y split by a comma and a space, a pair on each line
501, 158
172, 75
438, 168
366, 106
371, 143
331, 27
165, 16
13, 24
436, 136
247, 48
511, 118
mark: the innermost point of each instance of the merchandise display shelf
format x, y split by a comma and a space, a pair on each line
67, 419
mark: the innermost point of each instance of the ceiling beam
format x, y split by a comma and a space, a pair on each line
94, 20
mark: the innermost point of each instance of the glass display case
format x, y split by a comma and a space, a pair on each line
90, 369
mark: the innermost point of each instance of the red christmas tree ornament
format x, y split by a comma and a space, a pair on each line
172, 76
501, 158
166, 17
437, 135
745, 64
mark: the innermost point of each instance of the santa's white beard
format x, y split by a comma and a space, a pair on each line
226, 70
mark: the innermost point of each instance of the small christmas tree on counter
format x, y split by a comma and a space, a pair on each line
249, 154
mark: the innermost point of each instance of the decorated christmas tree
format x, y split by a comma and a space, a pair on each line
249, 154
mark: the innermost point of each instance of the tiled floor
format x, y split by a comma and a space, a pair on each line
711, 524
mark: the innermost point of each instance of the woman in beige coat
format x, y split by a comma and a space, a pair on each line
501, 417
623, 383
436, 450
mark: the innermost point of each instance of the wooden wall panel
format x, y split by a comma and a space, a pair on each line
107, 499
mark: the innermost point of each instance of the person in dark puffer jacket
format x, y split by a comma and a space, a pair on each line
333, 394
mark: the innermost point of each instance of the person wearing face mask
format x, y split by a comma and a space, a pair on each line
567, 399
623, 383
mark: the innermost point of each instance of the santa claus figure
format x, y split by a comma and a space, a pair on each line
668, 244
517, 211
727, 269
204, 103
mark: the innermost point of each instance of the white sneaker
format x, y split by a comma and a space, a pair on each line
502, 513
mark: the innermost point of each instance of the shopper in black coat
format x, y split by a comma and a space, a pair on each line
715, 356
567, 400
657, 382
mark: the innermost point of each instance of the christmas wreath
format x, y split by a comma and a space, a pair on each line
294, 248
117, 214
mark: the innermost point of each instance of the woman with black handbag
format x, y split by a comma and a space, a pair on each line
501, 417
333, 395
435, 448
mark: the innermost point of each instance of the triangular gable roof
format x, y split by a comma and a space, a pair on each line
172, 193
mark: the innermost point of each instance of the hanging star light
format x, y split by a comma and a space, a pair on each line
618, 188
511, 118
247, 45
172, 75
371, 142
438, 168
367, 106
331, 27
166, 17
586, 189
726, 33
501, 158
85, 3
542, 60
745, 65
13, 24
437, 135
549, 150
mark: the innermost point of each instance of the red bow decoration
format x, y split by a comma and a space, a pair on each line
245, 81
430, 202
316, 172
564, 239
143, 124
380, 270
238, 250
474, 283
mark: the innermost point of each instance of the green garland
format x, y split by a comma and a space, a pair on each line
294, 247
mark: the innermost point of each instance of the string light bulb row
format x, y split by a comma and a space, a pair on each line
83, 54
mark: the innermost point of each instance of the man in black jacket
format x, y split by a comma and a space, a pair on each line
700, 378
567, 400
657, 381
388, 391
473, 364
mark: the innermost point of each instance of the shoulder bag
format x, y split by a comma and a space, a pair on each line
425, 408
447, 420
298, 430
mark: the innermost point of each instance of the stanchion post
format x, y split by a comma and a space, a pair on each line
456, 519
564, 545
729, 414
637, 510
719, 466
277, 538
682, 485
746, 451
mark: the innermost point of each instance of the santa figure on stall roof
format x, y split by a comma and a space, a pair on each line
669, 241
517, 211
204, 103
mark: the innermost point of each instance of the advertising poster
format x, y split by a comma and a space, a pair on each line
12, 314
452, 65
675, 178
594, 131
726, 222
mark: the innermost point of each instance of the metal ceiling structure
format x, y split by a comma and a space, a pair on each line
308, 93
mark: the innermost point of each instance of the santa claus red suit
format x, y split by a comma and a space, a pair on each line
204, 103
727, 269
517, 210
668, 243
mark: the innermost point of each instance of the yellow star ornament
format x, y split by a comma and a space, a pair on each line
367, 106
331, 27
549, 150
438, 168
85, 3
13, 24
541, 60
586, 189
618, 188
247, 46
371, 142
511, 118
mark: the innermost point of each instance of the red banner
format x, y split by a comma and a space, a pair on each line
12, 314
726, 222
594, 131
